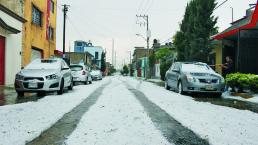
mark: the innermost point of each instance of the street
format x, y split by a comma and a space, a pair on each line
123, 110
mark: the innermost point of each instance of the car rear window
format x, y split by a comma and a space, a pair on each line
76, 68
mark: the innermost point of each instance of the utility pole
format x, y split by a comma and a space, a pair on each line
113, 60
146, 18
65, 9
232, 14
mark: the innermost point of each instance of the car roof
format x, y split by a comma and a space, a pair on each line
191, 62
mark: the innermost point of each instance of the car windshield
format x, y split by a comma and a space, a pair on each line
76, 67
197, 67
44, 64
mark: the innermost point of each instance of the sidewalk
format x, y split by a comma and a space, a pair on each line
4, 92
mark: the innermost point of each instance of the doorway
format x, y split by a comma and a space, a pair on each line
2, 60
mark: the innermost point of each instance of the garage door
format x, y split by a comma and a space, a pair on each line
2, 60
35, 54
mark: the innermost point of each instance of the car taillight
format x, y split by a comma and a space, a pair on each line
83, 73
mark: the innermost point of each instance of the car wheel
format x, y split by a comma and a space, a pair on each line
167, 87
71, 86
86, 82
90, 82
20, 94
41, 94
61, 90
217, 95
180, 88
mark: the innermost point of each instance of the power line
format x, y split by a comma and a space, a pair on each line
149, 7
220, 4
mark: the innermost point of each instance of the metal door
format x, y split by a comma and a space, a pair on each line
2, 60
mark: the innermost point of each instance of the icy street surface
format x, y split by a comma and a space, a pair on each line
118, 117
21, 123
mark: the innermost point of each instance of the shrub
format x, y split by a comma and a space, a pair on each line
242, 81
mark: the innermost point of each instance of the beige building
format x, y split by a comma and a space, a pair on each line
11, 25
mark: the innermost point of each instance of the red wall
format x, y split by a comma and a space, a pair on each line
2, 60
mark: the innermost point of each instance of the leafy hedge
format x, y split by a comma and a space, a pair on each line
243, 81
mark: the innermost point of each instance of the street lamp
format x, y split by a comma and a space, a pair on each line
139, 35
232, 14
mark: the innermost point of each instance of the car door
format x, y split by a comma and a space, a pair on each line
175, 72
66, 72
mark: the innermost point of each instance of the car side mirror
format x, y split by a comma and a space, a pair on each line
175, 70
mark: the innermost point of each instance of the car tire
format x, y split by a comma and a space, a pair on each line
90, 82
20, 94
180, 88
217, 95
167, 87
71, 86
61, 90
41, 94
86, 82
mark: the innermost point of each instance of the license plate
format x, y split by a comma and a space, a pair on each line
209, 87
33, 85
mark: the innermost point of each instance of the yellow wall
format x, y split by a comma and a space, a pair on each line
218, 51
34, 35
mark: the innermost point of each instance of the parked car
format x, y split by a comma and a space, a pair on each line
81, 73
194, 77
44, 75
96, 75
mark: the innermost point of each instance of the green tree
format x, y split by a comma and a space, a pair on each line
103, 62
198, 25
166, 57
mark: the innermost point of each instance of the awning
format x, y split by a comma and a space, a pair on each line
249, 22
8, 28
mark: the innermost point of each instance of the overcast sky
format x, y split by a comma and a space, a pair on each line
102, 20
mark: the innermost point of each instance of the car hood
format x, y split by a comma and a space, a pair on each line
203, 73
37, 72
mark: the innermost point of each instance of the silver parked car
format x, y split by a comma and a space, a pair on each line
96, 74
44, 75
194, 77
81, 73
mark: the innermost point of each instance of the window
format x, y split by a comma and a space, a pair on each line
52, 6
96, 55
50, 33
79, 43
36, 16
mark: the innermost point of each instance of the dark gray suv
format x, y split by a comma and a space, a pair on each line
190, 77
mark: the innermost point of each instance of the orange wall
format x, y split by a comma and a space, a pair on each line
34, 35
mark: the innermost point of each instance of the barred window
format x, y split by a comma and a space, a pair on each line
51, 33
52, 6
36, 16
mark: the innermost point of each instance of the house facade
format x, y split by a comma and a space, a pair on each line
240, 42
95, 51
39, 32
139, 62
79, 57
11, 26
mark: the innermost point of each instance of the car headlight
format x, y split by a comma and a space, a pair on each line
19, 77
222, 80
190, 78
52, 77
